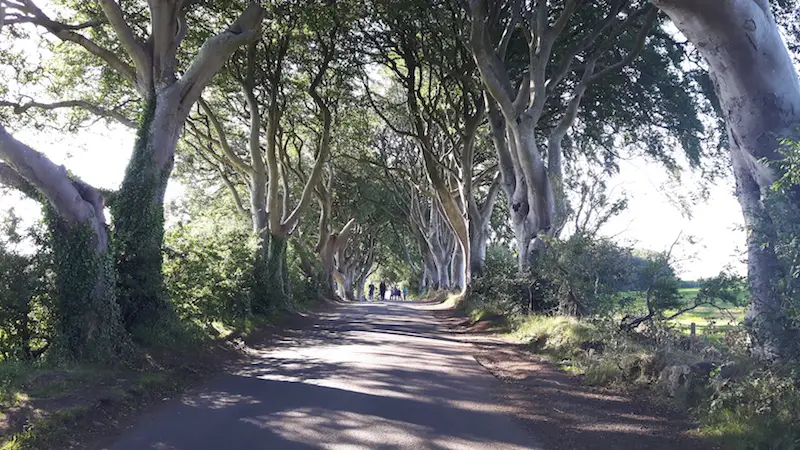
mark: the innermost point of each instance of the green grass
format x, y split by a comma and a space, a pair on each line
706, 318
556, 336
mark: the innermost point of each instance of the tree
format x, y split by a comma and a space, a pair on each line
307, 62
445, 109
150, 65
540, 62
759, 98
87, 311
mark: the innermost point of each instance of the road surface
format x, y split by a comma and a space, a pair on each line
364, 376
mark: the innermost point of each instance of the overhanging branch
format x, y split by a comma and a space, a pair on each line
21, 108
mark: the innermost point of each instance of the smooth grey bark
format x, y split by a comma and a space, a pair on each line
534, 190
73, 200
443, 244
333, 245
759, 94
480, 216
458, 270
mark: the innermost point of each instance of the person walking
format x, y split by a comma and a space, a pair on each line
405, 293
371, 291
382, 291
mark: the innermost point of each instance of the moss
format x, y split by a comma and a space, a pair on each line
138, 211
88, 325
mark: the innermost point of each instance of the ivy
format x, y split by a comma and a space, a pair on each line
138, 211
273, 294
260, 283
88, 325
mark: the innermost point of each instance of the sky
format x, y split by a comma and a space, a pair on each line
709, 239
100, 153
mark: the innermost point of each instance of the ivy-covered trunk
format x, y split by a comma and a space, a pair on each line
87, 315
259, 281
277, 273
138, 213
328, 267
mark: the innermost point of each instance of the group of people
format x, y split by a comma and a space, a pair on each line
395, 293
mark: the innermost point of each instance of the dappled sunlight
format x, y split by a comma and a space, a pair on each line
218, 400
369, 376
364, 376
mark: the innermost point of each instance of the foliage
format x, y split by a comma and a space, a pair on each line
138, 236
501, 289
303, 286
759, 411
782, 205
579, 276
206, 271
25, 301
582, 275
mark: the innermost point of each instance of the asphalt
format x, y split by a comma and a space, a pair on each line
362, 376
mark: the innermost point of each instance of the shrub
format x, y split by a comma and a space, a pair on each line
580, 276
25, 304
500, 289
759, 411
208, 270
304, 285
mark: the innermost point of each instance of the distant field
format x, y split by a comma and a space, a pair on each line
703, 316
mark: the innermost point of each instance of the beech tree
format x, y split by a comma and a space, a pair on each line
87, 312
759, 98
533, 184
434, 75
293, 89
149, 63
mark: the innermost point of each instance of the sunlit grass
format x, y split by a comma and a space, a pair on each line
705, 318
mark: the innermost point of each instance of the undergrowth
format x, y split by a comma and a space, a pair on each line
737, 402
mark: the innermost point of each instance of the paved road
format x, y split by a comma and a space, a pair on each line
366, 376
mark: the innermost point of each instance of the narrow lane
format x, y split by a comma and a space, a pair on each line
366, 376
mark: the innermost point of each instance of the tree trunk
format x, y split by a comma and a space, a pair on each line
87, 315
540, 196
360, 289
260, 294
513, 184
138, 213
458, 273
423, 280
478, 241
442, 280
277, 294
759, 97
345, 282
524, 240
328, 266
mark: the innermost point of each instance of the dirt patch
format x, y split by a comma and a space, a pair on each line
564, 414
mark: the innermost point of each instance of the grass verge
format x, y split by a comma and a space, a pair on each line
52, 405
737, 403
